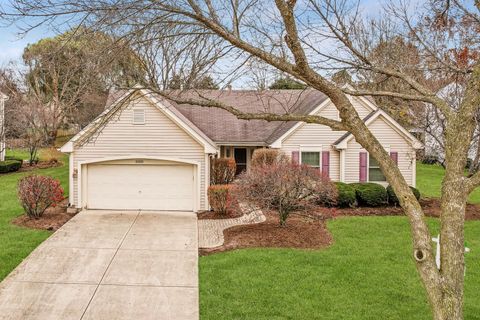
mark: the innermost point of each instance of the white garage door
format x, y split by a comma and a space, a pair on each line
147, 187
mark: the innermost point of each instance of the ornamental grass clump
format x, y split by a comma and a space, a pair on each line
37, 193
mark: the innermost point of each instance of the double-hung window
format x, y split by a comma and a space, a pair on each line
311, 158
374, 171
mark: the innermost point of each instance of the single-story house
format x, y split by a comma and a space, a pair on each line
148, 152
3, 98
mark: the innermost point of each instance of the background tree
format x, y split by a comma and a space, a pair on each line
283, 83
70, 75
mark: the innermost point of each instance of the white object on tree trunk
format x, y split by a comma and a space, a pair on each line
437, 255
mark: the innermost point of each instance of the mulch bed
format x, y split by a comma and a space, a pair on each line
52, 219
304, 232
431, 208
300, 232
40, 165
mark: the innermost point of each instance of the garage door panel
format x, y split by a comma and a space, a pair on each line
147, 187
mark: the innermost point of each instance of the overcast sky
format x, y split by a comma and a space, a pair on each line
12, 43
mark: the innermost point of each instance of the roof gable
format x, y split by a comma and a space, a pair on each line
275, 141
341, 143
162, 106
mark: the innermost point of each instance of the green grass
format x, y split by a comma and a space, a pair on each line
368, 273
429, 182
17, 242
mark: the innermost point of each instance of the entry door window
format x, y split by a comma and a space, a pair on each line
240, 155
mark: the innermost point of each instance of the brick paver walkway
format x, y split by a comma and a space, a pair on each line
210, 231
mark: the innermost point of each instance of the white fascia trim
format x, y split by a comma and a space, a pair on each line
365, 102
277, 144
342, 165
69, 146
70, 179
390, 121
209, 146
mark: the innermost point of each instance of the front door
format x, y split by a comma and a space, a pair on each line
240, 155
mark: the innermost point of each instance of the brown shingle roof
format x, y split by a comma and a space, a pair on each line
223, 127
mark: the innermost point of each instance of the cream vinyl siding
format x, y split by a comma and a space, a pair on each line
158, 137
391, 140
317, 135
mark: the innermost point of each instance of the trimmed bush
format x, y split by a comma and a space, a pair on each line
370, 194
222, 170
10, 166
346, 195
262, 157
220, 197
393, 199
38, 193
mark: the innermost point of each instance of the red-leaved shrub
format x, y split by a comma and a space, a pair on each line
285, 187
37, 193
222, 170
220, 197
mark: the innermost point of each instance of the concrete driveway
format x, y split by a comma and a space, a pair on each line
109, 265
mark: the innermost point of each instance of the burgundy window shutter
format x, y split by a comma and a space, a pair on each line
394, 156
296, 157
363, 167
326, 163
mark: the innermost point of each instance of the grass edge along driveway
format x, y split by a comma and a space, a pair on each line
16, 243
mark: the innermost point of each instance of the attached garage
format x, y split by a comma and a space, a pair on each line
140, 184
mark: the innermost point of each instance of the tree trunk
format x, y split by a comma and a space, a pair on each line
447, 302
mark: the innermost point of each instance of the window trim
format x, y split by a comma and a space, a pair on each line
144, 116
311, 149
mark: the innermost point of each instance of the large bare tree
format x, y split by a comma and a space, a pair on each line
309, 40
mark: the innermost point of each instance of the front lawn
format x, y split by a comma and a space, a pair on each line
17, 242
429, 181
368, 273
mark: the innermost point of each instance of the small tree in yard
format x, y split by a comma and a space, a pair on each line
38, 193
285, 187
